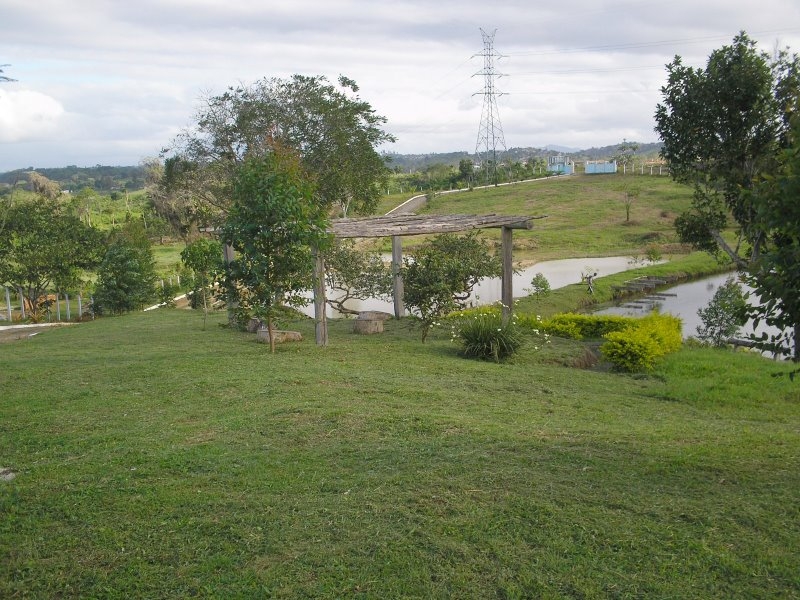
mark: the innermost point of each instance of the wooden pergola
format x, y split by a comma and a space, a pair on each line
402, 225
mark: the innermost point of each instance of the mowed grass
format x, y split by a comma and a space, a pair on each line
154, 459
585, 214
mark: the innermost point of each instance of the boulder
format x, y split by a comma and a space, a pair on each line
262, 335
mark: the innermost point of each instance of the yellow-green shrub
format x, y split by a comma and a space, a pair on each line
578, 327
639, 346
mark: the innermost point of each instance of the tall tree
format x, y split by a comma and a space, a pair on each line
722, 126
775, 275
331, 128
44, 248
727, 131
273, 226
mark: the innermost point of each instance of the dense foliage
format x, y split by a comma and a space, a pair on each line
640, 345
439, 276
727, 131
126, 277
273, 226
43, 247
333, 131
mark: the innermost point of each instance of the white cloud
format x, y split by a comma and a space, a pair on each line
128, 75
27, 116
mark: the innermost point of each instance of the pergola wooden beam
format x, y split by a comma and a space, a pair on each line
396, 226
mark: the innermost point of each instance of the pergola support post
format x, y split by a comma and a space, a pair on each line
397, 278
320, 317
507, 291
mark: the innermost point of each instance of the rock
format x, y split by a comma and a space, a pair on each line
262, 335
7, 474
254, 325
373, 315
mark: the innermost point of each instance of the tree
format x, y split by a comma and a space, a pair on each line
273, 225
722, 126
728, 131
42, 248
630, 193
332, 130
439, 277
355, 275
626, 152
204, 258
126, 277
775, 274
724, 315
43, 186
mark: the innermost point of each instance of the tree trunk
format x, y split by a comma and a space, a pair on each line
271, 331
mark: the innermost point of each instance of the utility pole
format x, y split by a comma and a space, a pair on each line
490, 131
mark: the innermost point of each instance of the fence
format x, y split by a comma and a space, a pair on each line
57, 306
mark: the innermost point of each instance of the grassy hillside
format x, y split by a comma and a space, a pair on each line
154, 459
585, 214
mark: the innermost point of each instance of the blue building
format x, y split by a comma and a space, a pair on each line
560, 164
601, 166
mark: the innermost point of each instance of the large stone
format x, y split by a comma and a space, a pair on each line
262, 335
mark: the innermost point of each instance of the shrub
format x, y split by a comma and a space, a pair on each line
483, 335
724, 315
578, 327
640, 345
540, 287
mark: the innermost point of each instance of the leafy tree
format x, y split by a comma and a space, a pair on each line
540, 287
440, 275
355, 275
466, 170
334, 132
126, 277
42, 247
626, 153
727, 131
722, 127
775, 275
273, 224
724, 315
204, 258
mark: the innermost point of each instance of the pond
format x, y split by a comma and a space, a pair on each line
559, 273
683, 301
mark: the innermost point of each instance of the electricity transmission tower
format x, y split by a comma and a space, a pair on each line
490, 131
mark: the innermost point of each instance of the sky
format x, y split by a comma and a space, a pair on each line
112, 82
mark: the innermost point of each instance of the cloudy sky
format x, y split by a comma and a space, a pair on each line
111, 81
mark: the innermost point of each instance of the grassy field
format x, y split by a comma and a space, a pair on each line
585, 214
154, 459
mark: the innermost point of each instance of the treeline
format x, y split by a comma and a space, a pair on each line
74, 179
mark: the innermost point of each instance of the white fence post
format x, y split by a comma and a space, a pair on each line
8, 306
66, 298
58, 307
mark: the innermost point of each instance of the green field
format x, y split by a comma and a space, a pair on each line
154, 459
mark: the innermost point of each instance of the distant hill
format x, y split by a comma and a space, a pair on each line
107, 179
416, 162
72, 178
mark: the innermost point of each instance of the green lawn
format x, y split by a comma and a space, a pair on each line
157, 460
585, 214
